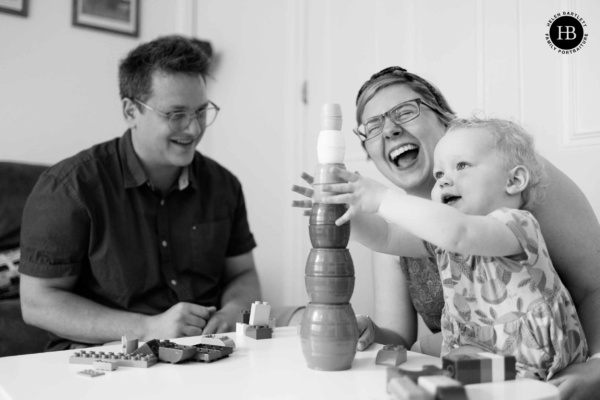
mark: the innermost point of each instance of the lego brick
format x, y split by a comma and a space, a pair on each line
119, 359
391, 355
148, 348
260, 313
452, 393
480, 368
174, 353
209, 353
244, 317
259, 332
214, 340
431, 384
90, 373
426, 370
129, 345
240, 329
403, 388
104, 365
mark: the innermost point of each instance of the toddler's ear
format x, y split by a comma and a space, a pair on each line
518, 180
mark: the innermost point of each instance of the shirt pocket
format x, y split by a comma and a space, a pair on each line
209, 241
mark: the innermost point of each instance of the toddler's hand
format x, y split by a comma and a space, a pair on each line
360, 193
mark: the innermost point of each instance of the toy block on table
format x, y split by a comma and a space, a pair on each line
129, 345
243, 317
175, 353
480, 368
214, 340
260, 313
119, 359
90, 373
104, 365
209, 353
148, 348
433, 383
404, 388
240, 329
412, 374
259, 332
452, 393
391, 355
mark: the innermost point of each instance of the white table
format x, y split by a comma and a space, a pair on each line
258, 369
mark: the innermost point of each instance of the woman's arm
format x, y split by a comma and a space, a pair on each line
395, 315
572, 234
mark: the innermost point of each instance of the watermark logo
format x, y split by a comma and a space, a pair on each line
566, 32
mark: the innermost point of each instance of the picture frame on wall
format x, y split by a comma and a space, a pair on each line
117, 16
17, 7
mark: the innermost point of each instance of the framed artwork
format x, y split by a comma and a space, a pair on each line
17, 7
117, 16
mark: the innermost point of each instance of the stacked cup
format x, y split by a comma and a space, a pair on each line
329, 333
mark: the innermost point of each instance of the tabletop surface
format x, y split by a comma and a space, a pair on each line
258, 369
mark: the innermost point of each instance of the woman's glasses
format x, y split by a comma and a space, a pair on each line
399, 114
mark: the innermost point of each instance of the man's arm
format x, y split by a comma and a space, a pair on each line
241, 289
51, 305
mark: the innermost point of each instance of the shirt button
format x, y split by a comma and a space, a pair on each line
162, 202
164, 243
173, 282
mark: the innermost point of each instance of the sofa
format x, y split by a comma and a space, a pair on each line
16, 338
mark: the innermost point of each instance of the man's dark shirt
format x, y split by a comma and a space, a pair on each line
95, 215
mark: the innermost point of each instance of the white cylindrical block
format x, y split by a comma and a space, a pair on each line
331, 147
331, 117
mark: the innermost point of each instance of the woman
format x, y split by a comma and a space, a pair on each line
403, 153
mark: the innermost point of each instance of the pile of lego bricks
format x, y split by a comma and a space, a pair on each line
209, 349
447, 383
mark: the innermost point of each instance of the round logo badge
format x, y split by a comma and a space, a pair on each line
566, 34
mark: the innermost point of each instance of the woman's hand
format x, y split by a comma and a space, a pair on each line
304, 191
366, 332
579, 381
363, 195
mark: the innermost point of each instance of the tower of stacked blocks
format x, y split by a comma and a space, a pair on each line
329, 333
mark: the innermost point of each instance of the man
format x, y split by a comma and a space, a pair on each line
141, 235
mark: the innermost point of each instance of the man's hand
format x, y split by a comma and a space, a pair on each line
220, 322
579, 381
183, 319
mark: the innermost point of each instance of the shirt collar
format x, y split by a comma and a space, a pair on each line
133, 172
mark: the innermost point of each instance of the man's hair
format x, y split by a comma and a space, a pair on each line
167, 54
516, 146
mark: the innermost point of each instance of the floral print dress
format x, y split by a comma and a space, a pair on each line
511, 305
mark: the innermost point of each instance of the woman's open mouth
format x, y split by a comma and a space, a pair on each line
404, 155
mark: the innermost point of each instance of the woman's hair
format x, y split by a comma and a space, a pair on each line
517, 148
395, 76
167, 54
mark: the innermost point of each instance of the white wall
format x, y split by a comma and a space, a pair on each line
58, 83
58, 91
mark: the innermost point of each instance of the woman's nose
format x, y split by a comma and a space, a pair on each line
390, 129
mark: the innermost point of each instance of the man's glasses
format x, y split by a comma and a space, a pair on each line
399, 114
180, 120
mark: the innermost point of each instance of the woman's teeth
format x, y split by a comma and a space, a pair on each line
397, 153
